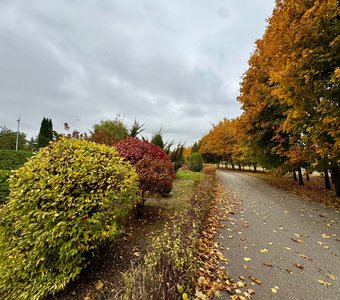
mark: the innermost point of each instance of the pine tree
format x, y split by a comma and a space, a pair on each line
157, 139
45, 133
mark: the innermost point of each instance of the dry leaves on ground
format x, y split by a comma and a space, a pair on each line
211, 277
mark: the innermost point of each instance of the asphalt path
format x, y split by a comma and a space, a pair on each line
278, 244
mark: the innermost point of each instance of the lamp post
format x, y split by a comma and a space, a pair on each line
17, 141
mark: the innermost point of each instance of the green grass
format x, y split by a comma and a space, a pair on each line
189, 175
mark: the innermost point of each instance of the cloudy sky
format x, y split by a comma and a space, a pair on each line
172, 64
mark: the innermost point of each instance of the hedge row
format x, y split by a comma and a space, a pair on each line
4, 191
12, 160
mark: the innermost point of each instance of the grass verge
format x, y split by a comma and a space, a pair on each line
155, 257
167, 270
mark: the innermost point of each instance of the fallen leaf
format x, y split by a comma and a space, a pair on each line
255, 279
301, 267
264, 250
331, 277
298, 241
289, 271
275, 289
247, 259
99, 285
245, 225
305, 257
250, 291
325, 236
237, 297
240, 284
200, 295
267, 264
325, 283
288, 248
180, 288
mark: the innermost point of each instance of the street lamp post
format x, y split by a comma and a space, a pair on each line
17, 141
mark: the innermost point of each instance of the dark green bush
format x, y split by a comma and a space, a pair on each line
11, 159
64, 202
4, 175
195, 162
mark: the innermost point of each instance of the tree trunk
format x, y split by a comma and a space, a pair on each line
254, 165
327, 182
336, 176
294, 175
332, 177
139, 208
232, 165
307, 175
239, 167
243, 168
300, 176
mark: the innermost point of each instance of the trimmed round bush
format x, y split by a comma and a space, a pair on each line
195, 162
154, 167
63, 203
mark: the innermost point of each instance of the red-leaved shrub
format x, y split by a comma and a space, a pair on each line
154, 168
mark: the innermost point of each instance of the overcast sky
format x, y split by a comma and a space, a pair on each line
172, 64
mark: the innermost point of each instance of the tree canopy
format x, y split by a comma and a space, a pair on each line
109, 132
45, 133
289, 94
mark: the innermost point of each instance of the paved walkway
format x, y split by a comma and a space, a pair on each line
280, 245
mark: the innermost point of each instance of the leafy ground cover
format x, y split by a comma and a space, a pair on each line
155, 257
312, 190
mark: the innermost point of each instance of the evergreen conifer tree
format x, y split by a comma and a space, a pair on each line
45, 133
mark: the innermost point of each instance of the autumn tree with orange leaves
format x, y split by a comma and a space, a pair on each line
220, 144
290, 93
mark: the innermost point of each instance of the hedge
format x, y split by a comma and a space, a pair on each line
11, 160
4, 175
63, 203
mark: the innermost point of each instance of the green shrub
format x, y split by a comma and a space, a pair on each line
195, 162
67, 199
11, 160
4, 175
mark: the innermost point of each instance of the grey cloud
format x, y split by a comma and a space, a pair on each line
173, 64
